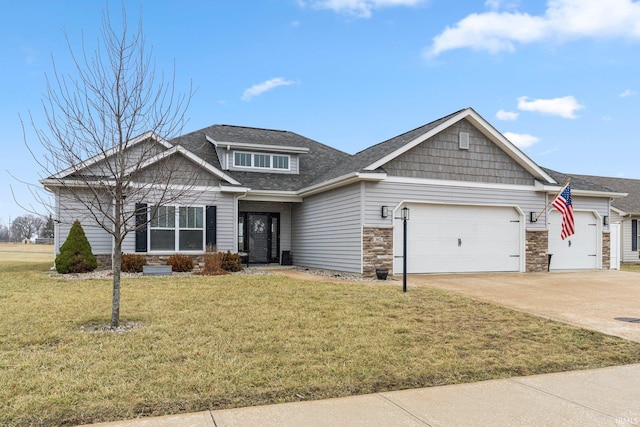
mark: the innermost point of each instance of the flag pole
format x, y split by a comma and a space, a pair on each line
567, 182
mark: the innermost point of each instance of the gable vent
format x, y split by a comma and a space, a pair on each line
463, 140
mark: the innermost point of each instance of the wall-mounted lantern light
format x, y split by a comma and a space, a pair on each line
532, 217
605, 220
384, 212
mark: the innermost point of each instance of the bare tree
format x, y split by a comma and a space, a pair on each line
26, 226
4, 233
105, 125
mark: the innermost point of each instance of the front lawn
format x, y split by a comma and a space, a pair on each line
229, 341
629, 266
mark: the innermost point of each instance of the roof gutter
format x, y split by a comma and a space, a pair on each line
575, 192
341, 181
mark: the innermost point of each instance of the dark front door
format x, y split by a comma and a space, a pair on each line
259, 236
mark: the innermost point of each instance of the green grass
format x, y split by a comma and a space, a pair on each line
628, 266
239, 340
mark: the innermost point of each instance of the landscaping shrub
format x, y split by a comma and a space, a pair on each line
133, 263
213, 264
75, 253
180, 263
231, 262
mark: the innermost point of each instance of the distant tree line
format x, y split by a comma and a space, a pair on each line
27, 227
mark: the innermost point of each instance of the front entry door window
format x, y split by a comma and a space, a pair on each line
259, 236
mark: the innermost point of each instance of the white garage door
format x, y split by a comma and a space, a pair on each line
459, 239
579, 251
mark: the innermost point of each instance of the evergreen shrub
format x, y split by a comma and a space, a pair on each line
75, 253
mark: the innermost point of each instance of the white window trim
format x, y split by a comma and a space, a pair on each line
252, 153
176, 229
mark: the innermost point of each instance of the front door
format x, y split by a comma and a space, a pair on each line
259, 236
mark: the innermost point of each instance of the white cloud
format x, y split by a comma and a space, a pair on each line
260, 88
562, 20
358, 8
521, 140
628, 92
507, 115
564, 107
501, 4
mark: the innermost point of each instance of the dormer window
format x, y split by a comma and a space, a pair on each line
243, 159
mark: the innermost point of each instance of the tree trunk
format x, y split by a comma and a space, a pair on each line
115, 299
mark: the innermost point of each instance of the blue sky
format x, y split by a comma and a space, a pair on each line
560, 78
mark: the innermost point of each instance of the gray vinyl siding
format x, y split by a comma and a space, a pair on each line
69, 209
393, 193
225, 216
440, 157
327, 231
627, 254
284, 209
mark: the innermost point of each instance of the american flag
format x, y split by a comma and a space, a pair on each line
563, 204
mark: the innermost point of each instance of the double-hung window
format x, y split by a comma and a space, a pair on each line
191, 229
176, 228
162, 228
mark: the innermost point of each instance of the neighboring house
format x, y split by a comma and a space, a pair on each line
473, 198
624, 211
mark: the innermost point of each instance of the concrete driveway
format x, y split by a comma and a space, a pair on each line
594, 300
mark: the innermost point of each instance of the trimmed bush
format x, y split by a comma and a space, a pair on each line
133, 263
180, 263
231, 262
213, 264
75, 253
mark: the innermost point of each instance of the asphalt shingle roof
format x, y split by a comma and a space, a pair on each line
323, 163
319, 158
629, 204
577, 183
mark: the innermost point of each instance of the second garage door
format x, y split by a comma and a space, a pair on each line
579, 251
460, 239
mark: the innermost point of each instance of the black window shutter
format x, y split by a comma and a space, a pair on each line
634, 234
141, 233
211, 226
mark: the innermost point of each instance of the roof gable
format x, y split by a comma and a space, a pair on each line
443, 157
178, 150
432, 129
374, 158
105, 156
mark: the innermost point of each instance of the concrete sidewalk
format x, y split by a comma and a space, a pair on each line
599, 397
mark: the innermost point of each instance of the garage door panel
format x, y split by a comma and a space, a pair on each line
457, 238
579, 251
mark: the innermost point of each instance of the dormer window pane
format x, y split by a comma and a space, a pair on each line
242, 159
280, 162
261, 161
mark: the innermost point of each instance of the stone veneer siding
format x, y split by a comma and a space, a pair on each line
377, 249
606, 251
536, 251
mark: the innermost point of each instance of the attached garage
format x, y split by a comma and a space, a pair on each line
579, 251
460, 239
